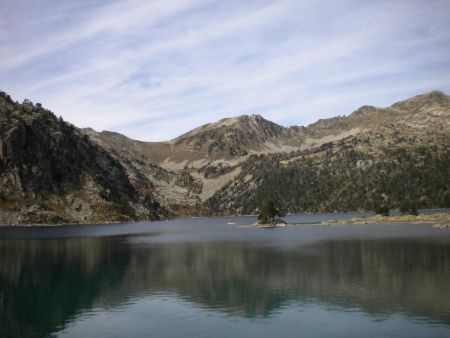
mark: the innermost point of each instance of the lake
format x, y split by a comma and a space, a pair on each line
215, 277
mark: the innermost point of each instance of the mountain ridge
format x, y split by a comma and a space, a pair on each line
363, 110
195, 140
199, 171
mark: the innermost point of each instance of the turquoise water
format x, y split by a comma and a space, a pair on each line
218, 278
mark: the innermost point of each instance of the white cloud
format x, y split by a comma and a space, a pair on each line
159, 68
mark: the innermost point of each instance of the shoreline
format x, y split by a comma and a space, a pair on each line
438, 220
54, 225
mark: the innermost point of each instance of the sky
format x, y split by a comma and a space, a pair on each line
153, 70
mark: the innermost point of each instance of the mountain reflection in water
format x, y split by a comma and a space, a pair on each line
46, 283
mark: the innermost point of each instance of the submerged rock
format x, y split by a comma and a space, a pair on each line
442, 225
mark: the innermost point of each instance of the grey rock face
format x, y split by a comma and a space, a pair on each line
43, 158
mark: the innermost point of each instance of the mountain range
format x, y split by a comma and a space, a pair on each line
54, 172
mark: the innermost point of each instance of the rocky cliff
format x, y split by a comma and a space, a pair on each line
50, 172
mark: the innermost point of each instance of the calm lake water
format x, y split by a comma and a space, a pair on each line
212, 277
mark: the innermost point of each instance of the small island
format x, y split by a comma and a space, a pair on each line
268, 216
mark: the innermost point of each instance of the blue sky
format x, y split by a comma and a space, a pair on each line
155, 69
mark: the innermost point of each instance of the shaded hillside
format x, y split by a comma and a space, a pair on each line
174, 188
51, 172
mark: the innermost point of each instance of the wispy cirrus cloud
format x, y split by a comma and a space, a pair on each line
155, 69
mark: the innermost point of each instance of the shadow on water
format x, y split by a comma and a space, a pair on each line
45, 284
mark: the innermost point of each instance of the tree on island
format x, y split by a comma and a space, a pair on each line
268, 212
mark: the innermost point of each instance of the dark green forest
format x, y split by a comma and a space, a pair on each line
395, 169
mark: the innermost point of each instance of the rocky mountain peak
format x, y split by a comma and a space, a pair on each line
242, 121
255, 123
427, 100
231, 136
418, 111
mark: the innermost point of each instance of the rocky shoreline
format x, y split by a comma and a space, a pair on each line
439, 220
272, 224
